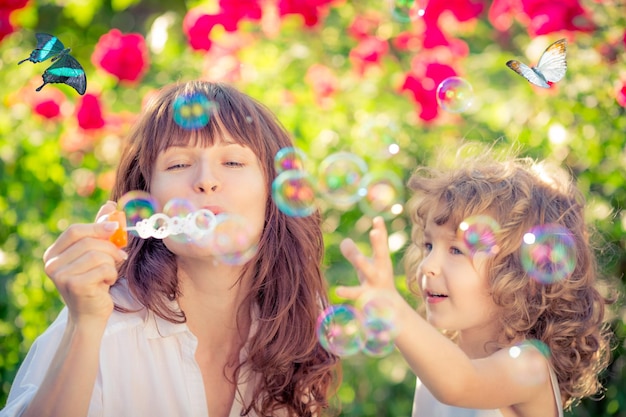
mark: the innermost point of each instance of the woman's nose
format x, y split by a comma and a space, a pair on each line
205, 181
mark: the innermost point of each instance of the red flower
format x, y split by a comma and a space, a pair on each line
310, 10
89, 112
13, 4
6, 27
49, 109
123, 56
422, 83
368, 52
620, 94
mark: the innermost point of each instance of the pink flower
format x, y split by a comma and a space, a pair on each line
368, 52
554, 16
323, 81
89, 112
310, 10
197, 24
123, 56
503, 12
6, 27
364, 25
620, 94
422, 84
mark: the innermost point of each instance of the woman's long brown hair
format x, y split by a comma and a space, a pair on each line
297, 374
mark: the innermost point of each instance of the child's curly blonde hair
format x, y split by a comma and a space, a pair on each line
568, 316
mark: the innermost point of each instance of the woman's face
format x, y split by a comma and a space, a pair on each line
225, 178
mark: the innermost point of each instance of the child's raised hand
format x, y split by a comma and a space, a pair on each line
82, 265
375, 273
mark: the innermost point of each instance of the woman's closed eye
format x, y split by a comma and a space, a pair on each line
235, 164
172, 167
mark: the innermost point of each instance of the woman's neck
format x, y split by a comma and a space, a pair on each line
211, 297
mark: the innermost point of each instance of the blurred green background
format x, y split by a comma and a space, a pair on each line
54, 173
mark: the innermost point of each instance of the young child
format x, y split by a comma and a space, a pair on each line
514, 345
166, 327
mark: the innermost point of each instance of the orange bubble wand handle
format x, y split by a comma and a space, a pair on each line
120, 236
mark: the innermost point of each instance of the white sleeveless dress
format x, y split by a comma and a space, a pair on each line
426, 405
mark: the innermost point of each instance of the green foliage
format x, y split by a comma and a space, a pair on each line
42, 183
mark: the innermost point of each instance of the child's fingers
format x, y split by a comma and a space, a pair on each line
380, 245
364, 266
350, 293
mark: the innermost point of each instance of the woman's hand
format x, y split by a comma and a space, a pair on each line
375, 273
82, 265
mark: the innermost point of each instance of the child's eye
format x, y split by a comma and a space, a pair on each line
456, 251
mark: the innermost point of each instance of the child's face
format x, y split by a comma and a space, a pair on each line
453, 283
224, 178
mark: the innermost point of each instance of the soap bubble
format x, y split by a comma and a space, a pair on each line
406, 11
340, 177
192, 111
138, 206
383, 194
455, 95
289, 158
548, 253
232, 240
294, 194
379, 323
339, 329
478, 233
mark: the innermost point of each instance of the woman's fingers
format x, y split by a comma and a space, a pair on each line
78, 232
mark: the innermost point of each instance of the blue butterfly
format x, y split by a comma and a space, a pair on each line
551, 67
65, 68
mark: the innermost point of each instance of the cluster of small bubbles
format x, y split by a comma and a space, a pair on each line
227, 235
293, 189
455, 95
529, 364
478, 233
548, 253
383, 194
231, 240
343, 180
138, 206
345, 330
341, 176
406, 11
192, 111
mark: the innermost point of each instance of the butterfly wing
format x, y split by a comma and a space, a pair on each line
528, 73
48, 46
552, 64
66, 70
